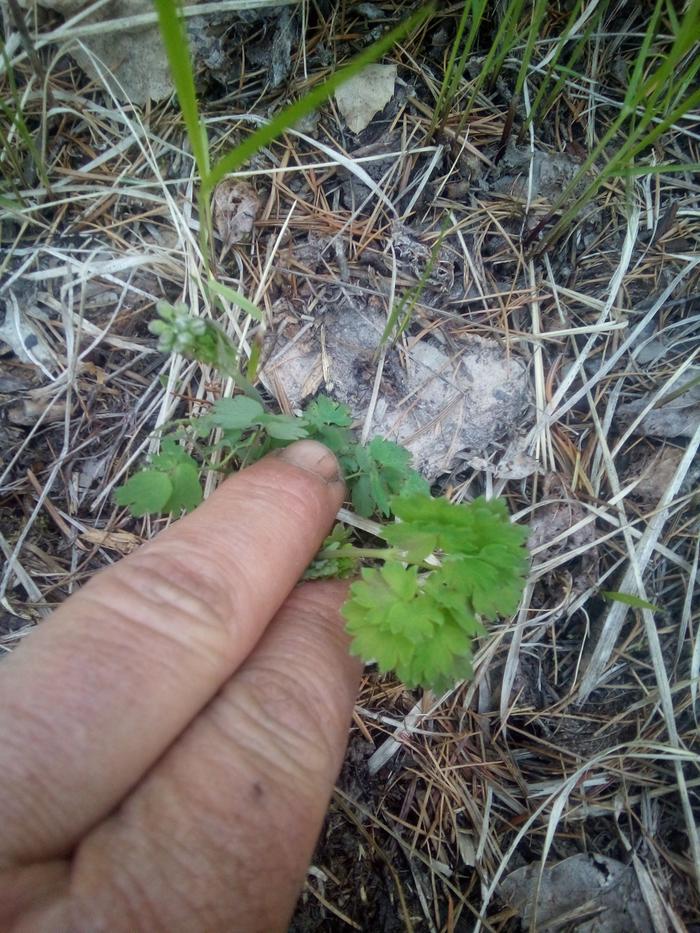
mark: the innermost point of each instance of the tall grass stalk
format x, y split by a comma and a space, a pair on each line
643, 117
545, 94
455, 68
402, 311
177, 50
506, 37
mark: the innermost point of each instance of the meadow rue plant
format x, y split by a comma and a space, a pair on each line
442, 570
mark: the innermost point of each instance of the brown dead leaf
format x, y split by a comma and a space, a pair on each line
556, 517
235, 206
655, 475
27, 410
551, 536
516, 462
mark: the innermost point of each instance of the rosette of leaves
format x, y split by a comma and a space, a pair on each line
419, 620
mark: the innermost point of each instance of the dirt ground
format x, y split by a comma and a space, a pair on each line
563, 378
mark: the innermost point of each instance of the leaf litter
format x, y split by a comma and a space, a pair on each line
235, 206
591, 893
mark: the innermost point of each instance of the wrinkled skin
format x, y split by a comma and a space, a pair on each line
170, 736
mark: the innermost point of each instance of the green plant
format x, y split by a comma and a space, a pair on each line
177, 50
661, 91
18, 149
444, 568
418, 619
402, 311
170, 484
506, 32
210, 174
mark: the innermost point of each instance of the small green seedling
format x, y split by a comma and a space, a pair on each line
442, 570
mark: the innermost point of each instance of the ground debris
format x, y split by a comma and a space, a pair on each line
438, 404
551, 173
549, 528
235, 207
363, 96
678, 416
655, 473
131, 61
589, 893
22, 333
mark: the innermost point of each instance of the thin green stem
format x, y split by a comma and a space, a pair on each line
360, 553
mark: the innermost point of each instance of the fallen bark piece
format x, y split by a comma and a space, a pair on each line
362, 97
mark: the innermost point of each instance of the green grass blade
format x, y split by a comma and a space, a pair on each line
443, 95
455, 70
300, 108
172, 30
635, 145
685, 40
506, 37
503, 42
401, 314
538, 13
629, 600
634, 171
635, 81
236, 298
558, 50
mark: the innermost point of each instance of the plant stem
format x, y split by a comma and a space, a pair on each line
366, 553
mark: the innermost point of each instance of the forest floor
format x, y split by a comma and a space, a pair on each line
563, 378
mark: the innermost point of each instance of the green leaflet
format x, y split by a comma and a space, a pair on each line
413, 626
324, 412
241, 414
385, 471
421, 625
456, 529
330, 566
231, 414
171, 484
147, 491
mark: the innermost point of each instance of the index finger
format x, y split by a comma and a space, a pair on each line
97, 693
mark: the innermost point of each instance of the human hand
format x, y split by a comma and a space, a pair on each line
170, 736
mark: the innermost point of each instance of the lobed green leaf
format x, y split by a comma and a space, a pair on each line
145, 492
170, 484
421, 625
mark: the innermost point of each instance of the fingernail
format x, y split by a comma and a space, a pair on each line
314, 457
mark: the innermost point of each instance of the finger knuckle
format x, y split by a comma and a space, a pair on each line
177, 599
